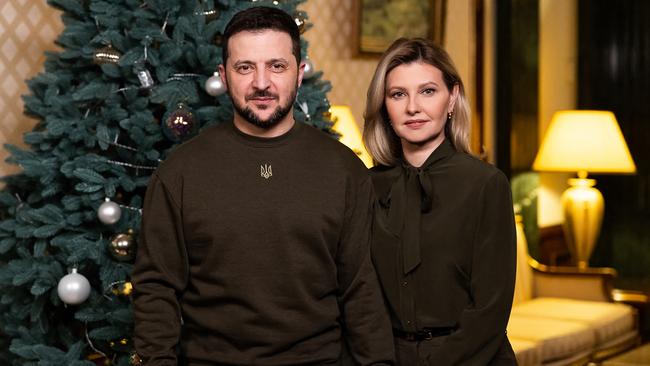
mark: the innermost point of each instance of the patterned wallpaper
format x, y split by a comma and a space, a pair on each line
27, 29
331, 51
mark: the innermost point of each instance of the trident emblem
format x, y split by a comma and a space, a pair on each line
265, 171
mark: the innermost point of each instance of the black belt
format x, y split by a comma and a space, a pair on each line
425, 334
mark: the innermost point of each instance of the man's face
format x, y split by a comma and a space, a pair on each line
262, 76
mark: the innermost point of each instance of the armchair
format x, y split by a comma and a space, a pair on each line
565, 315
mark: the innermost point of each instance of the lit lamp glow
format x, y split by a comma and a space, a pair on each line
350, 135
583, 141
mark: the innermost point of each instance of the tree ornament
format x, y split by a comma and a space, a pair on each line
122, 289
123, 247
99, 359
135, 359
73, 288
301, 22
210, 14
106, 55
119, 345
109, 212
214, 85
309, 69
179, 124
146, 81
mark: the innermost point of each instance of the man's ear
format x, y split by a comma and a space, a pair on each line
301, 72
222, 75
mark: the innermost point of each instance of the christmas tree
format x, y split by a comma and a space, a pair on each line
133, 79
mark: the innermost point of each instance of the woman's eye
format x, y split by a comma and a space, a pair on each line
428, 91
397, 94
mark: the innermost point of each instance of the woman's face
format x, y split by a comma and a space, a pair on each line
417, 101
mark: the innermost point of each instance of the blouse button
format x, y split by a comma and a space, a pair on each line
404, 283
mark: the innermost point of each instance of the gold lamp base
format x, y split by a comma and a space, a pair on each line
583, 207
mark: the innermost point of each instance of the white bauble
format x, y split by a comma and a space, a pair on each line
214, 85
73, 288
109, 212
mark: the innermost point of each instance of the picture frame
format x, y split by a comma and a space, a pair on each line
379, 22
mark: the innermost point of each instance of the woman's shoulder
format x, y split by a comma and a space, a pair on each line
481, 171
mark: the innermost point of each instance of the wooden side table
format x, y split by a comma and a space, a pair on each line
641, 302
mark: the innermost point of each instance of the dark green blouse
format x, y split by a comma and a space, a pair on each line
444, 248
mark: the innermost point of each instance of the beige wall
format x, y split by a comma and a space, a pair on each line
557, 90
27, 29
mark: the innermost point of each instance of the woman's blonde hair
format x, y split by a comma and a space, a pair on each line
378, 135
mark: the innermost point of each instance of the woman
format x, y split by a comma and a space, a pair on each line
444, 238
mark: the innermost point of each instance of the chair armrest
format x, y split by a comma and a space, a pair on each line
630, 297
593, 284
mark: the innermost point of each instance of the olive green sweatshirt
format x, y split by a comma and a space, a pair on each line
255, 251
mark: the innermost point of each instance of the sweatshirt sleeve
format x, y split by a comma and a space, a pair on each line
365, 321
482, 326
159, 275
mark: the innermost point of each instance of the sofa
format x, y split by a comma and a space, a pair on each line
565, 315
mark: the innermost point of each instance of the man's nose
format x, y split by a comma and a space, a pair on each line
261, 80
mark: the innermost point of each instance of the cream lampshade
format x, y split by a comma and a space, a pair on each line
583, 141
350, 135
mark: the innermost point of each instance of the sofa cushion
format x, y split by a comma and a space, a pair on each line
608, 320
557, 339
527, 352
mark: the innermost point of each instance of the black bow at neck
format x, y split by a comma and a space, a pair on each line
411, 195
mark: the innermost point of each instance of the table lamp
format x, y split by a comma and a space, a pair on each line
583, 141
350, 135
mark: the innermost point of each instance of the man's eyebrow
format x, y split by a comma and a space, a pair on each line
274, 60
242, 62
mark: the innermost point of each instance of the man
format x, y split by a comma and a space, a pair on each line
254, 242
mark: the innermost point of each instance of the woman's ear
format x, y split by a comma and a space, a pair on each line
453, 97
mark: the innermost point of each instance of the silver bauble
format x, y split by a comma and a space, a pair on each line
214, 85
73, 288
109, 212
122, 247
309, 69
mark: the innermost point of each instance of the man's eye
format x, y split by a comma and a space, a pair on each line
244, 69
278, 67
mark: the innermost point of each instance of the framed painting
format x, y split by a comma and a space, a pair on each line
380, 22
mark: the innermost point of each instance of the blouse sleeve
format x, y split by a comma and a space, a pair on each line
482, 326
159, 275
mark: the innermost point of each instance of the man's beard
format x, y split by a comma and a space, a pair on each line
278, 115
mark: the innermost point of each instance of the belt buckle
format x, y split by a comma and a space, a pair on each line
427, 336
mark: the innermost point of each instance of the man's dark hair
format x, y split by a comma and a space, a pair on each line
261, 18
